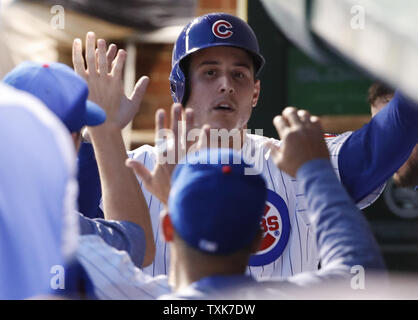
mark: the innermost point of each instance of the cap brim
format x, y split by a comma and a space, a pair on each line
95, 115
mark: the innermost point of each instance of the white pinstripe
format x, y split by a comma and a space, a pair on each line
113, 273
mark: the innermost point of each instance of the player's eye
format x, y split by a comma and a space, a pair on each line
239, 75
210, 72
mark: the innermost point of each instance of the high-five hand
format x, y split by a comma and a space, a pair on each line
301, 140
172, 146
104, 75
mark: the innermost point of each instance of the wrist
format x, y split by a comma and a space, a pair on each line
107, 126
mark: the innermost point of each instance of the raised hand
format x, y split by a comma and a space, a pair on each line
104, 75
301, 140
172, 146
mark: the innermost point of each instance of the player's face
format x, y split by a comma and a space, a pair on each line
380, 103
223, 90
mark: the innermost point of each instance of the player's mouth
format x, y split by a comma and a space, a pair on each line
223, 106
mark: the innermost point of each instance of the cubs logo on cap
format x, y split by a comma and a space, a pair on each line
221, 29
276, 230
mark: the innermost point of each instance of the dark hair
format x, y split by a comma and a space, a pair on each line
378, 90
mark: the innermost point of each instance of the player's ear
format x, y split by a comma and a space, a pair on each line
256, 244
167, 226
256, 93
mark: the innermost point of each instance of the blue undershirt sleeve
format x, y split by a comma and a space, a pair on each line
89, 183
121, 235
375, 152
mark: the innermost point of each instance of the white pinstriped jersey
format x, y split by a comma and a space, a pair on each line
113, 273
289, 245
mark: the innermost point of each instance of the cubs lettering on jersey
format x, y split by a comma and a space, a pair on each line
276, 229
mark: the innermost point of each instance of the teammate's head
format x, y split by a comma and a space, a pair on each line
379, 95
214, 207
215, 63
61, 90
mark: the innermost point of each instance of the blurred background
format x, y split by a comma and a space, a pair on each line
321, 55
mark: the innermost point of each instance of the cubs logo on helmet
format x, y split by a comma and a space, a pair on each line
221, 29
276, 230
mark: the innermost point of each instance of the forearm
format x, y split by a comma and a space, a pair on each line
373, 153
407, 175
344, 238
122, 196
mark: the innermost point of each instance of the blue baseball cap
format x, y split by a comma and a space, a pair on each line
215, 206
61, 90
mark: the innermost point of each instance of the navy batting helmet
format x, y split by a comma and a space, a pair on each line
210, 30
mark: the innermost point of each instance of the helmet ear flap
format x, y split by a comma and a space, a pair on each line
177, 84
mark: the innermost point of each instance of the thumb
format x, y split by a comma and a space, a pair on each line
140, 170
139, 91
274, 150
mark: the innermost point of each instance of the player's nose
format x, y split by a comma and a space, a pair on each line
226, 85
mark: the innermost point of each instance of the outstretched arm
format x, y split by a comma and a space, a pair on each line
342, 233
373, 153
122, 196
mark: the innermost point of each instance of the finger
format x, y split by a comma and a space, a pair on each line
139, 91
163, 136
78, 60
175, 119
304, 116
316, 122
274, 149
159, 126
203, 137
97, 57
314, 119
290, 113
282, 126
189, 119
140, 170
102, 60
110, 55
91, 53
119, 62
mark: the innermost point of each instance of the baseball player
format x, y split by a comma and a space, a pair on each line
215, 65
212, 222
50, 83
407, 175
38, 196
